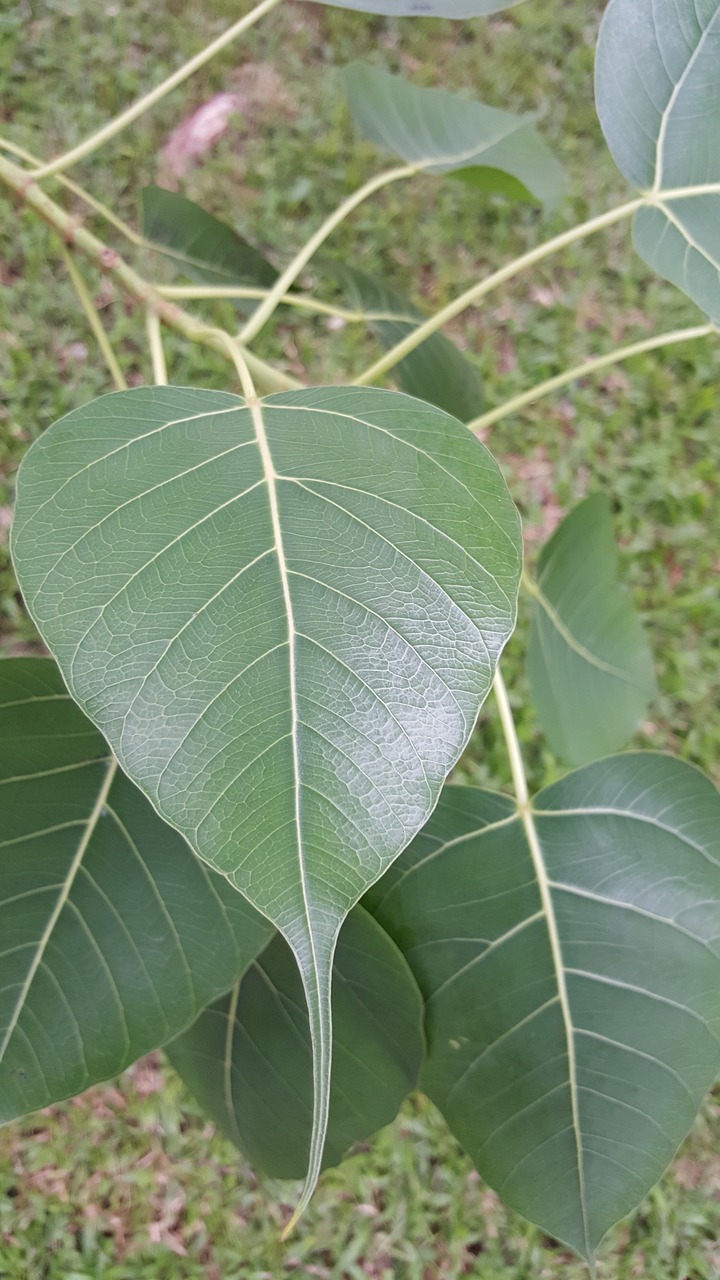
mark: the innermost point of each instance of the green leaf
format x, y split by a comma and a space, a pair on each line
572, 982
443, 133
284, 616
424, 8
435, 371
589, 662
114, 936
248, 1058
658, 97
201, 246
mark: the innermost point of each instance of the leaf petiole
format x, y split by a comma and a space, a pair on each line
155, 344
93, 318
109, 261
276, 295
587, 368
476, 292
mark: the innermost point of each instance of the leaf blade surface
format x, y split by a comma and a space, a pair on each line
443, 133
114, 935
248, 1058
658, 99
286, 616
424, 8
437, 371
589, 662
200, 245
572, 1090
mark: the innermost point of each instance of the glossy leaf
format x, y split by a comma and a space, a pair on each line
589, 662
435, 371
572, 989
284, 617
248, 1058
114, 935
424, 8
658, 97
441, 132
201, 246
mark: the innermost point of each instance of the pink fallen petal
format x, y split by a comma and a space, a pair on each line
197, 133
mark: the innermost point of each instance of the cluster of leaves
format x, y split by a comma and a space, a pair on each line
277, 620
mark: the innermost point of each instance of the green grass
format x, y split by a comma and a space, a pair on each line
129, 1183
96, 1181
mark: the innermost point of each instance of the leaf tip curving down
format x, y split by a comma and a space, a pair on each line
285, 619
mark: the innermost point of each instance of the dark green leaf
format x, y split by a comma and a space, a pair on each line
248, 1058
285, 617
590, 666
572, 981
201, 246
425, 8
658, 97
114, 935
436, 371
443, 133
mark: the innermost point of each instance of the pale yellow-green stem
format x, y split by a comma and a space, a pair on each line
93, 319
512, 743
242, 366
138, 108
111, 263
302, 301
527, 817
270, 378
155, 345
659, 195
288, 277
101, 209
586, 369
479, 291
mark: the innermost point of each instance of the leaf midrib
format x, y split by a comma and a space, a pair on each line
672, 100
62, 899
575, 645
271, 477
527, 818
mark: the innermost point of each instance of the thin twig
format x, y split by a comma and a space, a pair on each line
288, 277
585, 370
120, 122
478, 291
111, 263
93, 318
157, 352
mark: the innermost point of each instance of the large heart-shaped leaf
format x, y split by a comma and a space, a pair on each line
248, 1058
441, 132
284, 615
589, 662
572, 980
435, 371
658, 97
201, 246
424, 8
114, 935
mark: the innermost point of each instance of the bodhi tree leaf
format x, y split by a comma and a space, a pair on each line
435, 371
658, 98
203, 248
424, 8
248, 1058
571, 971
114, 935
284, 615
589, 662
441, 132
